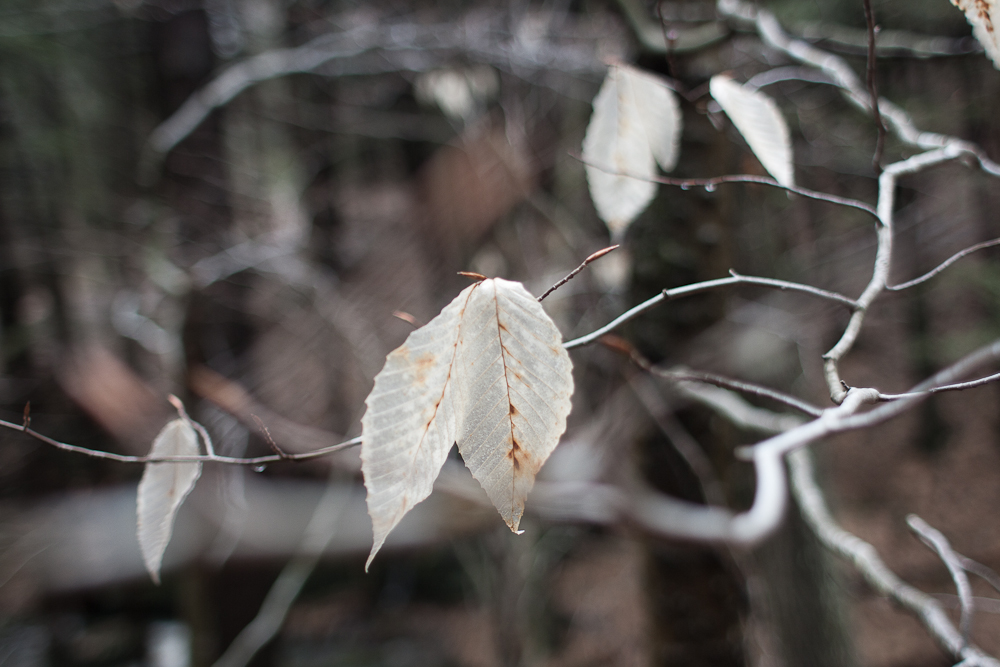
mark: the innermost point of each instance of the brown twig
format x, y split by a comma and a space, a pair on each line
870, 80
943, 265
669, 41
473, 275
406, 317
572, 274
684, 375
270, 441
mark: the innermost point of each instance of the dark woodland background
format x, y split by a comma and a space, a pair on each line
255, 268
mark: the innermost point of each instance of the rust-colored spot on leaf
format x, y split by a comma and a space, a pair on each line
513, 410
422, 366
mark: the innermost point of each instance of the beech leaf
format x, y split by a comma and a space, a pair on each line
410, 424
518, 380
163, 488
490, 373
984, 17
635, 125
759, 120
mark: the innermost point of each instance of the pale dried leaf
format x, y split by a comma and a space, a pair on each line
489, 372
411, 420
636, 123
760, 122
163, 488
984, 17
517, 380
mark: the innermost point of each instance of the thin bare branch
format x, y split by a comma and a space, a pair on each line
943, 265
958, 386
685, 445
122, 458
985, 573
863, 556
938, 543
740, 386
711, 183
595, 256
988, 605
797, 287
737, 410
872, 83
267, 436
286, 588
697, 288
687, 375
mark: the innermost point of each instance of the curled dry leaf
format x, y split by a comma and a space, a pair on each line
760, 122
636, 124
163, 488
984, 17
490, 373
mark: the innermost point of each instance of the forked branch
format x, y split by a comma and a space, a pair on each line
866, 560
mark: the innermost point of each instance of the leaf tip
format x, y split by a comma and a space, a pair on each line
371, 556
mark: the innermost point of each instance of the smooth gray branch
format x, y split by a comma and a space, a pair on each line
866, 560
958, 386
937, 542
985, 573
